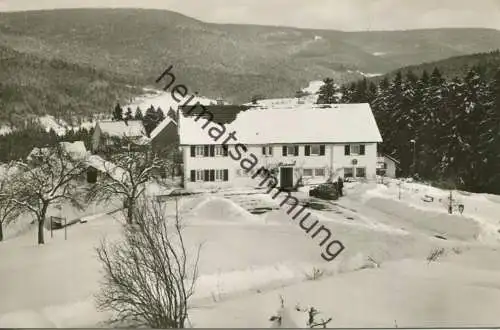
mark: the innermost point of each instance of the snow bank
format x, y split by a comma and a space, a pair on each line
481, 208
221, 209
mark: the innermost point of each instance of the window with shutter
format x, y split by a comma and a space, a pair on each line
307, 150
206, 150
362, 149
225, 150
284, 151
226, 175
193, 151
212, 150
322, 150
212, 175
200, 151
193, 175
296, 150
347, 150
206, 175
263, 151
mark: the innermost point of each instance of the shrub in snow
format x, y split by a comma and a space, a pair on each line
315, 274
147, 281
297, 317
435, 254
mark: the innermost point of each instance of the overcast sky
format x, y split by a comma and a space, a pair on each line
327, 14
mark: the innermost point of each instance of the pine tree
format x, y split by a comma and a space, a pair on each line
160, 116
328, 92
128, 114
138, 114
118, 112
150, 120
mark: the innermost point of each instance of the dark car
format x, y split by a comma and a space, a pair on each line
327, 191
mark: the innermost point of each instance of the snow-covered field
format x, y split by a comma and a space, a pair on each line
248, 260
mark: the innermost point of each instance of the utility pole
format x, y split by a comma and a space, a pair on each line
399, 189
450, 206
414, 167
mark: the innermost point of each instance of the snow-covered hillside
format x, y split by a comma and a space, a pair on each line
164, 100
312, 89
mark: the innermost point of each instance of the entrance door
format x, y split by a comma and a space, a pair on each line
286, 178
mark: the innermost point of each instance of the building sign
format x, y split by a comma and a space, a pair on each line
282, 164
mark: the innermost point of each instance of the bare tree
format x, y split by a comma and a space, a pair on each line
9, 211
126, 176
147, 281
49, 177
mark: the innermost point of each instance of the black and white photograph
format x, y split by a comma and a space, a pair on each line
249, 164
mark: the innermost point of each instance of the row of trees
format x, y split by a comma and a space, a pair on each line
443, 129
152, 118
53, 176
19, 143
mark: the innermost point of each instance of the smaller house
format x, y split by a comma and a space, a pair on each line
387, 166
76, 150
109, 134
164, 136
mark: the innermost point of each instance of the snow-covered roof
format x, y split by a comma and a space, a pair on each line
158, 129
131, 128
304, 123
103, 165
76, 149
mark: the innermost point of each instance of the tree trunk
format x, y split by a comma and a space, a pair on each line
40, 231
1, 232
130, 210
41, 223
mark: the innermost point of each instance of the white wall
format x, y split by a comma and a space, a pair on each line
333, 162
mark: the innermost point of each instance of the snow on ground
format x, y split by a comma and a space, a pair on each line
313, 87
164, 100
480, 210
367, 75
4, 129
247, 260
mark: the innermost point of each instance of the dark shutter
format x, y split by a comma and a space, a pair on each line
296, 150
212, 175
212, 150
206, 175
347, 150
362, 149
226, 175
307, 150
284, 150
322, 150
193, 175
263, 151
224, 150
193, 151
271, 151
206, 150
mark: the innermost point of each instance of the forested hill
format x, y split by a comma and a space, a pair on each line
31, 85
234, 62
454, 119
452, 67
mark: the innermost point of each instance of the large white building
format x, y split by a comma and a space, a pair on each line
301, 143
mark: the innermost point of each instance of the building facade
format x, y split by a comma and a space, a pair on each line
320, 152
387, 166
110, 136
